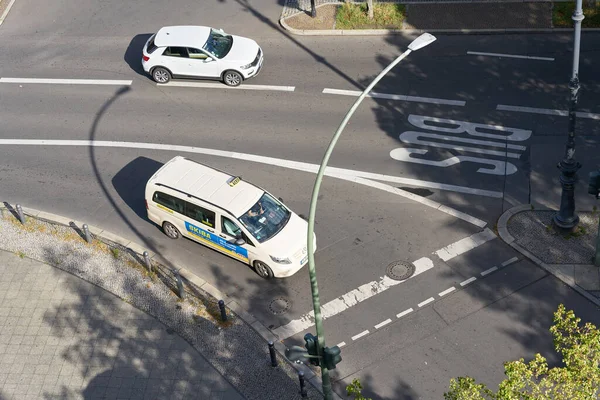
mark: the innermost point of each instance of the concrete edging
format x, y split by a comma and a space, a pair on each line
248, 318
383, 32
553, 269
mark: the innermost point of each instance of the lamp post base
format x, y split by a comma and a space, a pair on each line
566, 218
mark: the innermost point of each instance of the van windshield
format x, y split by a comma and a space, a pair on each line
265, 218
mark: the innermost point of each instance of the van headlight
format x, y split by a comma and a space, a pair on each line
281, 260
246, 66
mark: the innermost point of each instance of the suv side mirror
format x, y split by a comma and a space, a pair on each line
240, 241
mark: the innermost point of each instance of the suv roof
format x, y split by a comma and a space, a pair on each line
182, 36
208, 184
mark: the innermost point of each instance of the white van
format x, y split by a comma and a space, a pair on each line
227, 214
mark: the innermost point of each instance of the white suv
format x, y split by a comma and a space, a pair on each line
201, 52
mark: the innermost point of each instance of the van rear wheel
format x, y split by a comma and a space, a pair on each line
263, 270
171, 231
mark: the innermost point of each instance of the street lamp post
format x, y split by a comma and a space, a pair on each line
566, 218
420, 42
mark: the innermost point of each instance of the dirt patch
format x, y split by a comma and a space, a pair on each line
325, 18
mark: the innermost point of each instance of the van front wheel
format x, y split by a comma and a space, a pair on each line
170, 230
263, 270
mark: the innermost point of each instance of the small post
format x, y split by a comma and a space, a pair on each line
303, 392
597, 256
20, 214
86, 233
147, 261
180, 288
223, 312
272, 353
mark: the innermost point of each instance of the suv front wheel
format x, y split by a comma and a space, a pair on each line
232, 78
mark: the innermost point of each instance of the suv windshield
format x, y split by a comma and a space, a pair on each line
218, 44
265, 218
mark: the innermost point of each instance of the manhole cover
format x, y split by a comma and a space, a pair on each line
279, 306
400, 270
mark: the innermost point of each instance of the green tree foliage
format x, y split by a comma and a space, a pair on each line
355, 389
577, 379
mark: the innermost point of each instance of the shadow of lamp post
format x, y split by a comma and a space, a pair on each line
420, 42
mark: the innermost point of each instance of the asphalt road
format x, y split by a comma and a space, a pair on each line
453, 142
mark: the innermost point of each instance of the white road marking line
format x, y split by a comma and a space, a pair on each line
545, 111
345, 174
5, 13
512, 260
382, 324
464, 283
341, 344
466, 244
67, 81
489, 271
423, 303
400, 97
360, 335
348, 300
478, 53
223, 86
403, 313
445, 292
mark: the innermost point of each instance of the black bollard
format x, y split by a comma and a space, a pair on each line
86, 233
272, 353
303, 392
20, 214
147, 261
223, 312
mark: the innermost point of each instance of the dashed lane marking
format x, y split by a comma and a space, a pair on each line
465, 283
382, 324
512, 260
348, 300
401, 97
432, 299
445, 292
478, 53
489, 271
67, 81
403, 313
341, 344
363, 333
424, 303
223, 86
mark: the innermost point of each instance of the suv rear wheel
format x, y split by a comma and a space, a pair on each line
161, 75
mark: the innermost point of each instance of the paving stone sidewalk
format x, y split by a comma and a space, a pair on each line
64, 338
567, 256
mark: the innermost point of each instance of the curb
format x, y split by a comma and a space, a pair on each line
558, 270
5, 13
411, 32
235, 307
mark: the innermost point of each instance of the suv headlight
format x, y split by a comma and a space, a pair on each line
246, 66
281, 260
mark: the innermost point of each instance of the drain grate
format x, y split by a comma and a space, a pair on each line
279, 306
400, 270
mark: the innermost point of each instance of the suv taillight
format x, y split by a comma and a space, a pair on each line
145, 58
